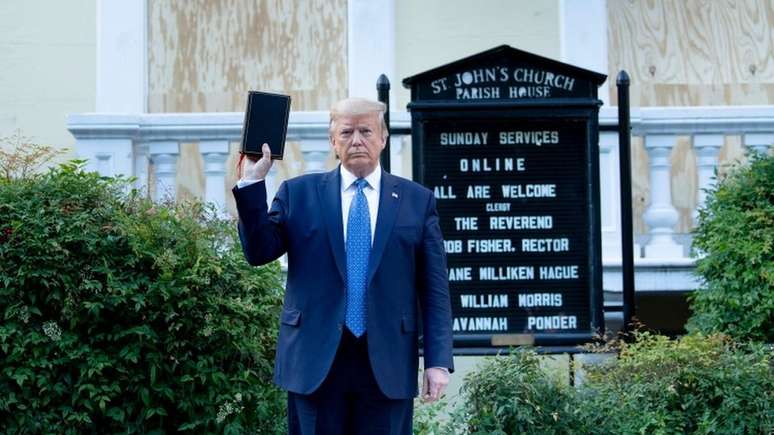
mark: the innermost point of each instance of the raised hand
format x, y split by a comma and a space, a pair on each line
257, 169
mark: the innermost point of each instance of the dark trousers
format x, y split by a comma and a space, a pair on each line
349, 401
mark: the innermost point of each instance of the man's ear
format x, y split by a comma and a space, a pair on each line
333, 146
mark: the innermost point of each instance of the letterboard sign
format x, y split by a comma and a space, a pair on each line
508, 142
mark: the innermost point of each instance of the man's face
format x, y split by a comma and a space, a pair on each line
357, 140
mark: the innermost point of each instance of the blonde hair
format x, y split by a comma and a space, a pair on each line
358, 106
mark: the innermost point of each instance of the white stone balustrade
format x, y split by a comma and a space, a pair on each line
214, 153
141, 166
661, 216
105, 141
126, 144
759, 142
311, 130
163, 157
610, 186
707, 148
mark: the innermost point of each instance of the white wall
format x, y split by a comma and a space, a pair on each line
430, 33
47, 66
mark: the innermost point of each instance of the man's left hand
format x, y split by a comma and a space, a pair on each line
434, 383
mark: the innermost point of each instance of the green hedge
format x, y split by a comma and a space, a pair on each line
734, 242
121, 315
512, 394
695, 385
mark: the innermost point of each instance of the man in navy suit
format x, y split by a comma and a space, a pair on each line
366, 266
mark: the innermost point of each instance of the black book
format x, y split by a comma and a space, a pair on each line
266, 121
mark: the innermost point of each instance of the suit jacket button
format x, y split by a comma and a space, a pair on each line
341, 327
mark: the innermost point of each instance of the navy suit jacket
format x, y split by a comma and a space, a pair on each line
407, 278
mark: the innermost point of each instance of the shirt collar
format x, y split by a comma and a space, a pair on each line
373, 179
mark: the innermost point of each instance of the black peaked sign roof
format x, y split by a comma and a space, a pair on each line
508, 143
503, 73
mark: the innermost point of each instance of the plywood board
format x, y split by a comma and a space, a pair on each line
693, 52
204, 55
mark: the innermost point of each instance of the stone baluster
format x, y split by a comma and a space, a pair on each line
164, 155
315, 152
760, 142
707, 148
214, 153
141, 164
661, 216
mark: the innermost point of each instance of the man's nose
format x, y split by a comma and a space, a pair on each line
357, 138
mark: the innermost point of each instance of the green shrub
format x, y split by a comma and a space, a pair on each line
431, 418
734, 241
512, 394
121, 315
695, 385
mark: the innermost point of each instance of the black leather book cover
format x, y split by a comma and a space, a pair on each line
266, 121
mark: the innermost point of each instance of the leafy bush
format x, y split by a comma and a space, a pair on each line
735, 243
695, 385
121, 315
431, 418
512, 394
507, 394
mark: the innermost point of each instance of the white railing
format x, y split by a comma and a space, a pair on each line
147, 146
707, 127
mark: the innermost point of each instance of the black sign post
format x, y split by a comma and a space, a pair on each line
509, 143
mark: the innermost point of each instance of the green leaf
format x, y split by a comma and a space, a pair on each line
145, 395
116, 414
186, 426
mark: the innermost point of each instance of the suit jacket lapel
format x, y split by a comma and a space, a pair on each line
389, 203
330, 199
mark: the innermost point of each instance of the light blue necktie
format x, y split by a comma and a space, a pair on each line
358, 251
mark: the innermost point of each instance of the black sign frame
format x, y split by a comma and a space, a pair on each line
433, 104
572, 111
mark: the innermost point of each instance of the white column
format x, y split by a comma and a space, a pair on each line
164, 154
707, 148
315, 152
610, 197
141, 164
121, 56
661, 216
370, 45
760, 142
583, 37
215, 153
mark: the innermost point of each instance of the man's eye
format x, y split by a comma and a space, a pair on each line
365, 132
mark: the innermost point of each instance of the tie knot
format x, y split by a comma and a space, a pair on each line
360, 183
